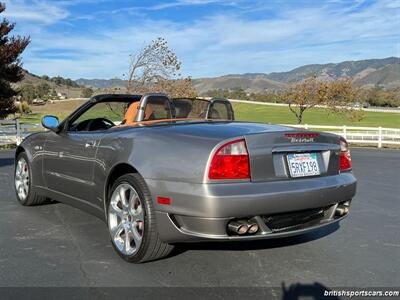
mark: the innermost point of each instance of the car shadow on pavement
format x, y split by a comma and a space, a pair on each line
258, 244
6, 162
311, 291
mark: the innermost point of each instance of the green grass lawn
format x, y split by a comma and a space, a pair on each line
273, 114
316, 116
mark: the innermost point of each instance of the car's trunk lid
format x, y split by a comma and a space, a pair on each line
271, 154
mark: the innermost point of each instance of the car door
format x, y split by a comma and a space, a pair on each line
69, 162
70, 155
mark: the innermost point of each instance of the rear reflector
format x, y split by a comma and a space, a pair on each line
345, 163
230, 161
162, 200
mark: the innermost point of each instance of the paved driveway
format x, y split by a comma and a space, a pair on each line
57, 245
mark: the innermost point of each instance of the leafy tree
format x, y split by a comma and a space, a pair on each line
11, 48
58, 80
87, 92
337, 96
69, 82
23, 108
381, 97
28, 92
43, 89
178, 88
305, 95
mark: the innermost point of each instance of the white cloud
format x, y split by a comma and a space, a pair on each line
36, 12
222, 43
393, 4
189, 3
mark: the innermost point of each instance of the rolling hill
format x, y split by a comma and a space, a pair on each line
334, 71
69, 91
256, 83
367, 73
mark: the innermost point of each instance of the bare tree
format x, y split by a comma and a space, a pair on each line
151, 64
11, 48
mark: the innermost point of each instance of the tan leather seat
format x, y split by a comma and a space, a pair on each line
131, 112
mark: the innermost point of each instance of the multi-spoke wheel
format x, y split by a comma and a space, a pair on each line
126, 219
22, 179
131, 221
23, 182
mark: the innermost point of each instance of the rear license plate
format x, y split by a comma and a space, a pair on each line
303, 164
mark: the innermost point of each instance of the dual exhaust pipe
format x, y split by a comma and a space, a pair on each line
242, 227
250, 226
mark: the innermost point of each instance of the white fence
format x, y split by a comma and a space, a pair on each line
372, 109
12, 132
379, 136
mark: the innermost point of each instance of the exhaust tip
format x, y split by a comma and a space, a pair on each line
253, 228
341, 210
238, 227
243, 229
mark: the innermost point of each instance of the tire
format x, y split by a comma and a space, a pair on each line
23, 181
130, 210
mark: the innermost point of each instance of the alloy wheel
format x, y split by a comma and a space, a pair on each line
22, 179
126, 219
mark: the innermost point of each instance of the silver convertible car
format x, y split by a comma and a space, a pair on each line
162, 171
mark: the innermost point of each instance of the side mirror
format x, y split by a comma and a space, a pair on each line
50, 122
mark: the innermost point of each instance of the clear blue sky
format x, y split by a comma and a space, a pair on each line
93, 38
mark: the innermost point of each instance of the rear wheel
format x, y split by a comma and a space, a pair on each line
131, 221
26, 194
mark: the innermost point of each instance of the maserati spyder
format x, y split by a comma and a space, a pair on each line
162, 171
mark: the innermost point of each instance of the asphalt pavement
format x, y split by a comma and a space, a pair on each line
57, 245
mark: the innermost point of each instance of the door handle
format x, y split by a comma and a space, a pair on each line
90, 144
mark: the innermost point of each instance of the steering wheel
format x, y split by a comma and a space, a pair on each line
99, 124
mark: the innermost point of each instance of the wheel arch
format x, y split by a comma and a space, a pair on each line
19, 150
116, 171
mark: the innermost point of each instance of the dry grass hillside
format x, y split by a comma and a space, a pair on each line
69, 92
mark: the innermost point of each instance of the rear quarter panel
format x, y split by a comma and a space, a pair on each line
156, 153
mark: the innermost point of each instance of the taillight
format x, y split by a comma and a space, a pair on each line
231, 161
345, 158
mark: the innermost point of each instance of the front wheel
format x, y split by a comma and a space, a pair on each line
24, 190
131, 221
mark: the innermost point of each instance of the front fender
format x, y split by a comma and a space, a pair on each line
33, 146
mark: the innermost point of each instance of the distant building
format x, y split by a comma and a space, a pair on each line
62, 95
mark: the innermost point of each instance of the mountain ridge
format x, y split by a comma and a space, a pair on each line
384, 72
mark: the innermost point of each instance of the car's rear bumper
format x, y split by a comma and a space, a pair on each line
202, 211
